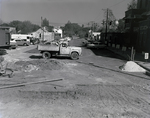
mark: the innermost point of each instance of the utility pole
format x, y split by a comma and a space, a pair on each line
93, 25
106, 24
42, 36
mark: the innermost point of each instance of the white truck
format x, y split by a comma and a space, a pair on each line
59, 49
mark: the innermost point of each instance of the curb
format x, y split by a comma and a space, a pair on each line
143, 67
147, 69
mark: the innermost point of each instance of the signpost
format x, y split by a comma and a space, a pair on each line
146, 56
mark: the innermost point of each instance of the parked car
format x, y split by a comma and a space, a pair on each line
23, 42
13, 44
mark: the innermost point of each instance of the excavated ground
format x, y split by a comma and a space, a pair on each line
82, 90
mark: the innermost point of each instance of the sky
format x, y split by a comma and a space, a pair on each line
60, 11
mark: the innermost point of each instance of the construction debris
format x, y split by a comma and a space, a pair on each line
23, 84
28, 66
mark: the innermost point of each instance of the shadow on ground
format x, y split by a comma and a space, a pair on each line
33, 51
3, 52
106, 53
35, 57
54, 57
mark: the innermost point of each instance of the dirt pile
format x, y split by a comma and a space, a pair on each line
1, 59
131, 66
28, 66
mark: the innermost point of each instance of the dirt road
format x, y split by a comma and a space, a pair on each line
91, 87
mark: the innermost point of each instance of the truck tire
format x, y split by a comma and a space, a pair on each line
25, 44
74, 55
46, 55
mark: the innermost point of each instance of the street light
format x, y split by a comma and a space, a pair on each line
117, 22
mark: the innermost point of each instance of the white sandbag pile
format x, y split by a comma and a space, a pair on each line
131, 66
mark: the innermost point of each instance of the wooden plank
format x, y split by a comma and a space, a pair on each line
23, 84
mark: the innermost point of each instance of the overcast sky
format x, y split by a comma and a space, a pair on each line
60, 11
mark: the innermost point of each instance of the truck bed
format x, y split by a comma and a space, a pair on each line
50, 47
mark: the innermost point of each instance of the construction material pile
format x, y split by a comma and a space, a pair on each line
1, 59
131, 66
28, 66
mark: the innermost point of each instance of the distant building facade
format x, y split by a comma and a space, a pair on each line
136, 31
137, 25
43, 35
94, 35
9, 29
58, 31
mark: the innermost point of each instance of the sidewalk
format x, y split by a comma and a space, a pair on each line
139, 57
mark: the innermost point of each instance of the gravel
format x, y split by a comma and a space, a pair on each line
131, 66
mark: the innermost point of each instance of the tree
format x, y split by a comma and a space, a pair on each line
4, 24
35, 27
50, 28
24, 27
27, 27
132, 5
45, 22
109, 21
17, 24
72, 29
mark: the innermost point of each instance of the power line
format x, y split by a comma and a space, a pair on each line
112, 6
116, 4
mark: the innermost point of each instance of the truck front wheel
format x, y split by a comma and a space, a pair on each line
46, 55
74, 55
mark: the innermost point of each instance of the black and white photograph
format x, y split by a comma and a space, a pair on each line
74, 59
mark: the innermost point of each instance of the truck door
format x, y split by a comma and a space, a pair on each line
64, 49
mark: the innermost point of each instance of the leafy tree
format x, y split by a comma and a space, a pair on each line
27, 27
132, 5
84, 32
4, 24
35, 27
50, 28
45, 22
71, 29
109, 21
24, 27
17, 24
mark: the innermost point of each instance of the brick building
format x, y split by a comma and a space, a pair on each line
136, 31
137, 25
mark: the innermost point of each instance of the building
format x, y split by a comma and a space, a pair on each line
95, 36
58, 31
9, 29
4, 39
43, 35
137, 25
136, 32
20, 36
